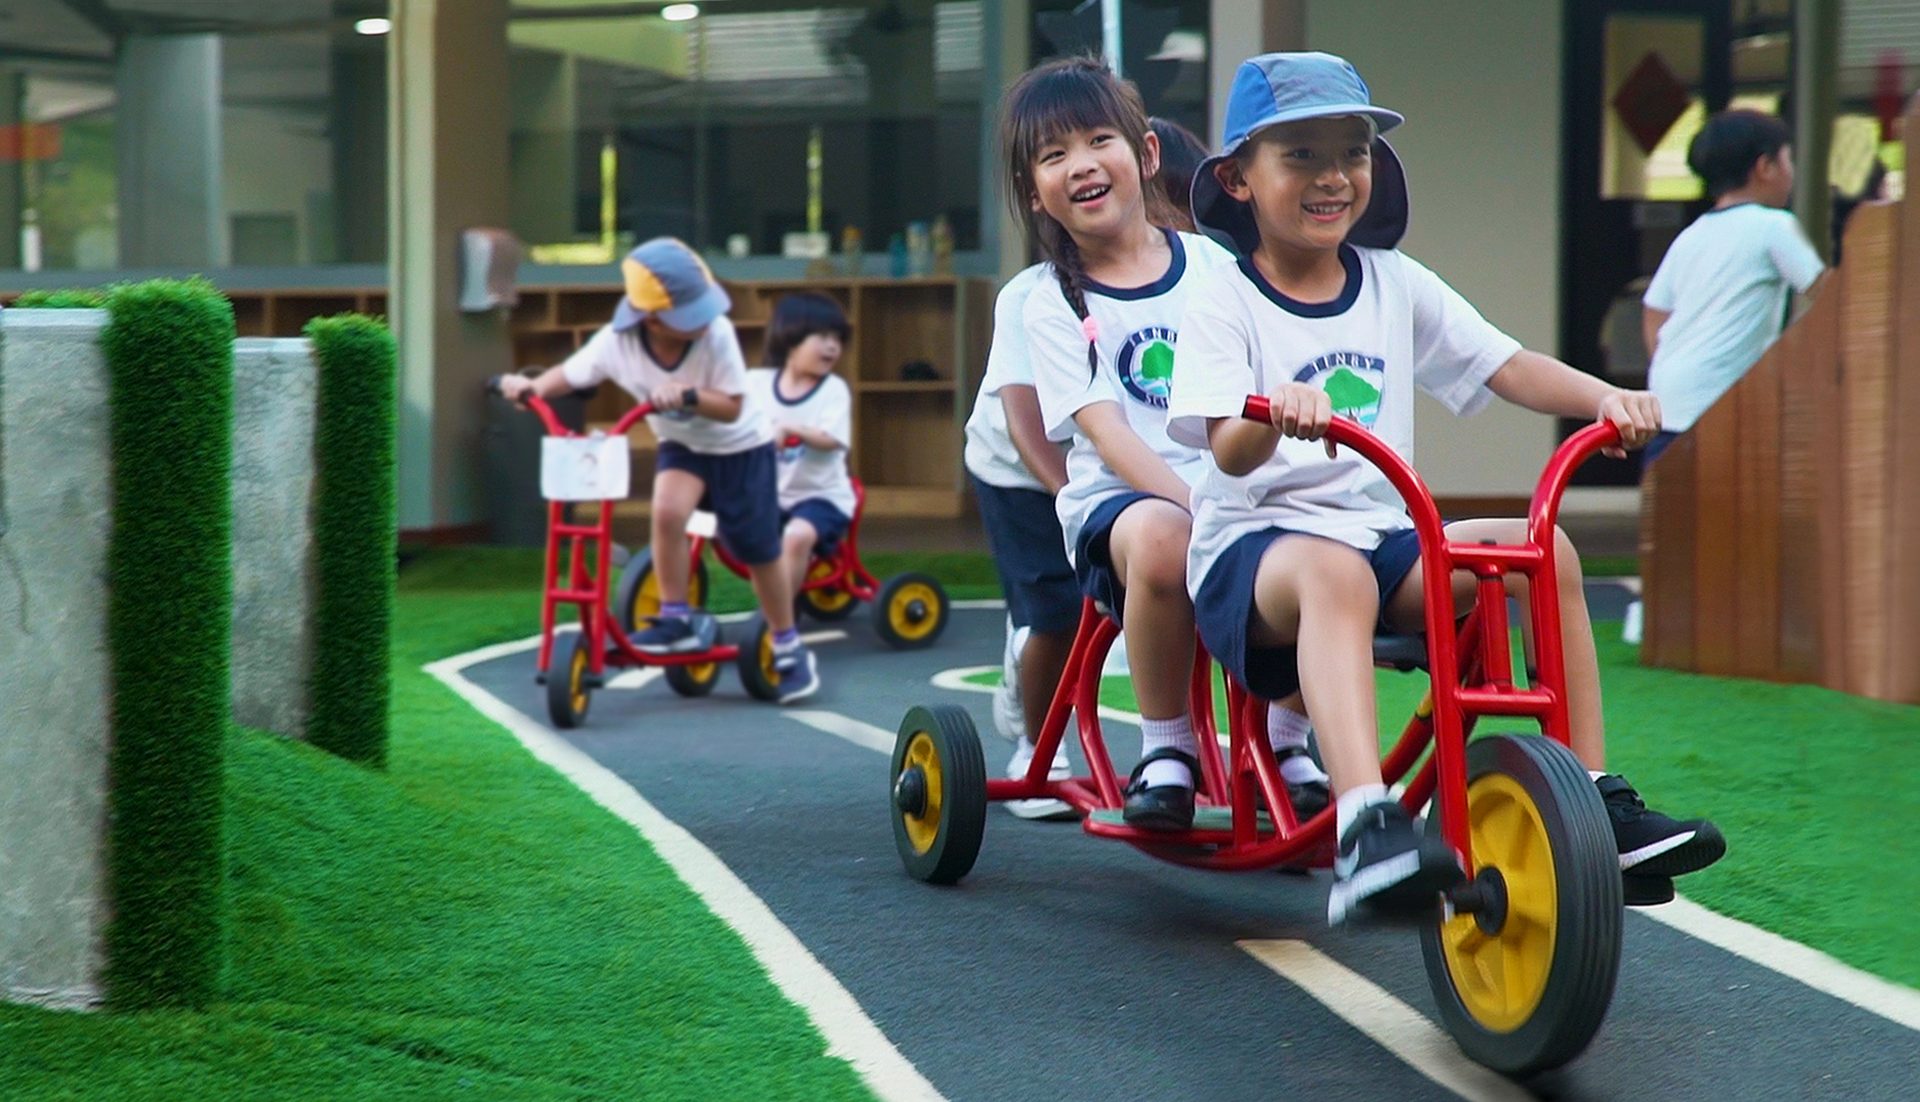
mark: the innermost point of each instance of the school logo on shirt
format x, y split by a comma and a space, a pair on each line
791, 454
1145, 365
1352, 380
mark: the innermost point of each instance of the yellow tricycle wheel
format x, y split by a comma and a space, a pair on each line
638, 598
568, 689
910, 611
938, 793
828, 603
1524, 980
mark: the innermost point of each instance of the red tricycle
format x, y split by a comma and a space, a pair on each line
1523, 953
909, 610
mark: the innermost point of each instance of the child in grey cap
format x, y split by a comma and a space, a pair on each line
1298, 556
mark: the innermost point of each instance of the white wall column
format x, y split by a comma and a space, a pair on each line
167, 142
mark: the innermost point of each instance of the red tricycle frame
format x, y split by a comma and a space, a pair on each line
1470, 668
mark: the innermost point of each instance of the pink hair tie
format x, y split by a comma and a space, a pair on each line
1091, 328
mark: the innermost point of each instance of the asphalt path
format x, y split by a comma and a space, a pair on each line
1071, 967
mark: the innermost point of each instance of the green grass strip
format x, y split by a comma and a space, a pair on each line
169, 351
464, 925
353, 530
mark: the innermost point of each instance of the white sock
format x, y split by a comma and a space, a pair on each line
1354, 800
1288, 728
1176, 734
1594, 775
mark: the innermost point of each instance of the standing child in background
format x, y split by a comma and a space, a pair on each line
1720, 294
1101, 334
670, 344
811, 407
1299, 555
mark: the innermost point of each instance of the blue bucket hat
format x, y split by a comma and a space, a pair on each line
669, 281
1276, 88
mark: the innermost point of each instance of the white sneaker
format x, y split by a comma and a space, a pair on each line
1009, 715
1045, 807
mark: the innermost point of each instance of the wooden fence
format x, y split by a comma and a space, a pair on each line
1780, 538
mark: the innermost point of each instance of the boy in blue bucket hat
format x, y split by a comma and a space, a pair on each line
671, 344
1299, 555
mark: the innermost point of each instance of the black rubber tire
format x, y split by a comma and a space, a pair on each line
755, 661
635, 601
1585, 960
695, 680
905, 617
567, 697
961, 817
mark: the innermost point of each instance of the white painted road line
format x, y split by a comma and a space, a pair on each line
864, 735
1388, 1022
850, 1034
1897, 1004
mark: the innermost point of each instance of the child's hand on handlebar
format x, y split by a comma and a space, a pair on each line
674, 397
514, 388
1636, 413
1302, 412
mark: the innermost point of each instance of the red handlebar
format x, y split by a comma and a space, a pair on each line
1541, 514
543, 410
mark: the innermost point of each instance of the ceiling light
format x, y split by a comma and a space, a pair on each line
372, 26
680, 13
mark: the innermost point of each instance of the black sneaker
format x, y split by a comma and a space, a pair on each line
1389, 867
668, 635
1164, 806
797, 675
1309, 798
1652, 844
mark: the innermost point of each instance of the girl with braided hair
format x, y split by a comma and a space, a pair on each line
1101, 325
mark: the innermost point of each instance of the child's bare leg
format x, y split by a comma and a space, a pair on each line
676, 494
796, 550
1320, 597
1148, 546
773, 588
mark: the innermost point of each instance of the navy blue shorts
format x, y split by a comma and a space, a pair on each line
742, 491
1093, 561
829, 523
1655, 446
1224, 609
1030, 553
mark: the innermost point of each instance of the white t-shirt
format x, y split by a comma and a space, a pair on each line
1138, 329
807, 472
1395, 326
713, 362
1724, 280
990, 454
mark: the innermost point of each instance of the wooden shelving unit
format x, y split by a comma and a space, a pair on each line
907, 432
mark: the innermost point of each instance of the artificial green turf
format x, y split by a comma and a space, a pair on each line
465, 924
353, 536
1809, 785
169, 352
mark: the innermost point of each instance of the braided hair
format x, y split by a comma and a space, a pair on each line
1060, 97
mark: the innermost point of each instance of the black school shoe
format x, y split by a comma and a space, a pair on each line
1656, 845
1308, 799
1162, 807
1388, 867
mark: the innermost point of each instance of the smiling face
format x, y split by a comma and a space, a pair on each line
1308, 182
1089, 180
